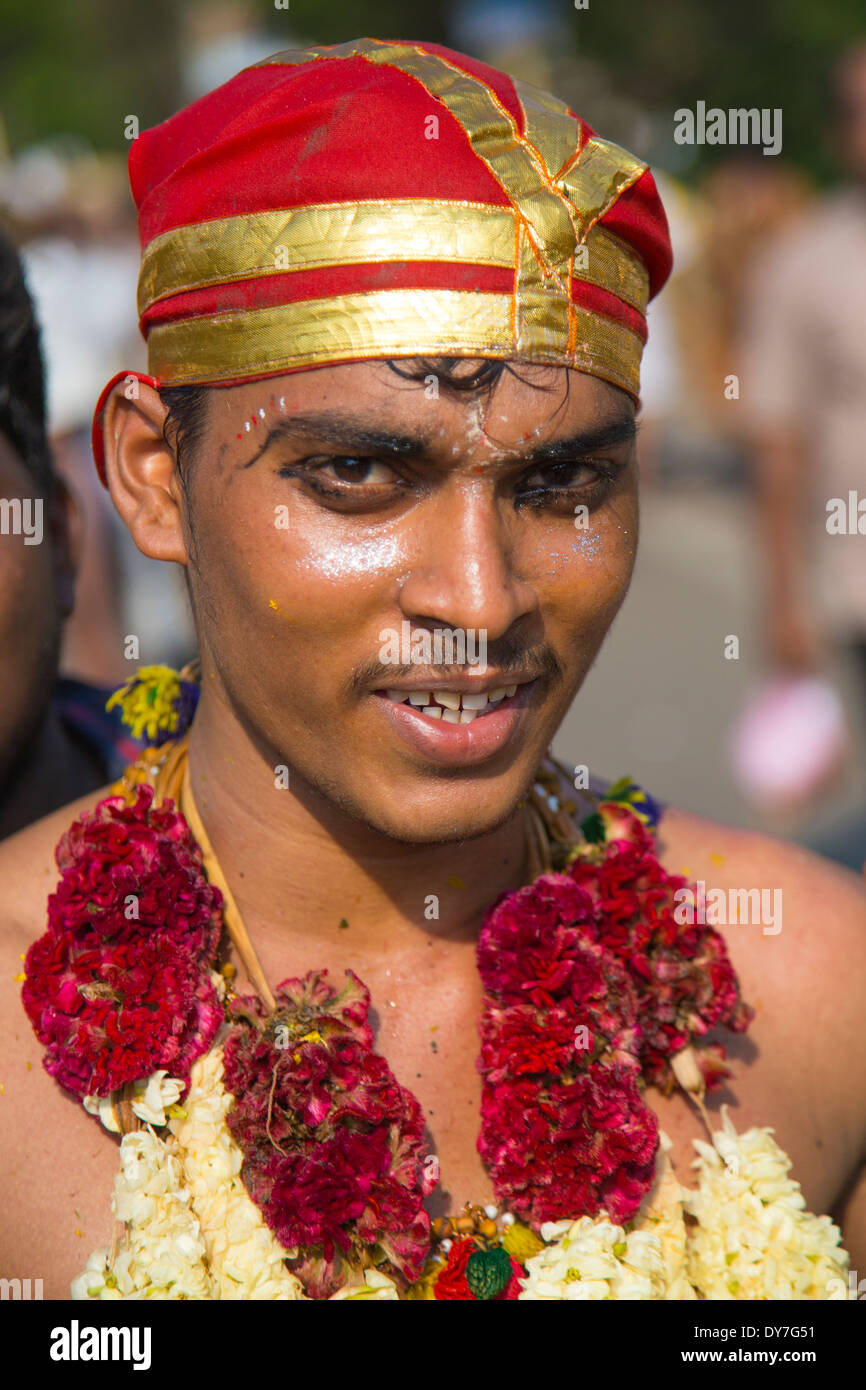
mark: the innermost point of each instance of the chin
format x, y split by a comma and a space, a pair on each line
445, 832
472, 814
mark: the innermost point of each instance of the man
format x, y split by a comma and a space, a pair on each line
804, 387
429, 387
56, 740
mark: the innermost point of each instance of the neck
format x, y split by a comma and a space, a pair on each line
298, 865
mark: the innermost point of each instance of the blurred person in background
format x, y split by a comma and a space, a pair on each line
68, 209
804, 386
56, 740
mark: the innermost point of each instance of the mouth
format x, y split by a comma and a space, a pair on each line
450, 726
454, 706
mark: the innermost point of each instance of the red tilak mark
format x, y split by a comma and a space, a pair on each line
253, 420
479, 468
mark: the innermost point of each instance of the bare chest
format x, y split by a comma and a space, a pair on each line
59, 1165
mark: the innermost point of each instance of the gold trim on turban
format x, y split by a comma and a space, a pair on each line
383, 323
318, 236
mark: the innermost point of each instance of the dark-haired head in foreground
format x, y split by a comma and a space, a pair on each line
54, 736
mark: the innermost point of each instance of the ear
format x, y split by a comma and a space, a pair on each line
141, 472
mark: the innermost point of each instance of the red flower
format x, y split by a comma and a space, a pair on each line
333, 1145
527, 946
118, 986
451, 1281
684, 979
569, 1148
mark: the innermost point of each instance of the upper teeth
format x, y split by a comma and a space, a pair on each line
452, 701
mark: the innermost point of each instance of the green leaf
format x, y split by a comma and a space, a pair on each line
488, 1272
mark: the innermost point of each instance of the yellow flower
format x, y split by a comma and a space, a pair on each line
422, 1290
147, 701
521, 1242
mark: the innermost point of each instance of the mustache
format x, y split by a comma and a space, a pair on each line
508, 657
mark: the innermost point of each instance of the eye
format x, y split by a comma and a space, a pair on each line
347, 480
561, 475
588, 478
355, 470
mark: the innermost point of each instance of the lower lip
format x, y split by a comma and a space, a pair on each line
458, 744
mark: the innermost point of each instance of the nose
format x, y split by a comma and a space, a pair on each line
464, 575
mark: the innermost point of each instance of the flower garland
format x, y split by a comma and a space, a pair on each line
591, 987
119, 986
192, 1231
332, 1143
293, 1163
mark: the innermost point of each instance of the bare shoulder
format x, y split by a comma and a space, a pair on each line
57, 1162
817, 906
795, 927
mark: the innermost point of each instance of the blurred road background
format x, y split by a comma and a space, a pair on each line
736, 480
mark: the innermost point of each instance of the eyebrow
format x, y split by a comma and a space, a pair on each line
344, 431
348, 433
620, 430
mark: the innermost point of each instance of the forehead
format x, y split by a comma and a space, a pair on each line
526, 399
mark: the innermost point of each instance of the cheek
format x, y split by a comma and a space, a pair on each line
325, 562
279, 570
587, 567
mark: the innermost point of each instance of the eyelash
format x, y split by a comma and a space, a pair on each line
606, 474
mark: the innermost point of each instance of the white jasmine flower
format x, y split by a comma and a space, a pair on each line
592, 1259
163, 1255
152, 1096
754, 1238
245, 1259
662, 1213
158, 1093
191, 1230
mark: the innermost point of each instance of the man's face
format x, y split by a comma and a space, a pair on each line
30, 611
332, 508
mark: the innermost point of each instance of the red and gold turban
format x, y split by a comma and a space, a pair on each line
386, 199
